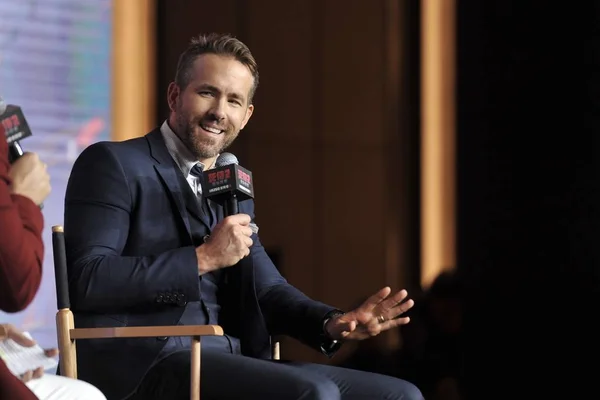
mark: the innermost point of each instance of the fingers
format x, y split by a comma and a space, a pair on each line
28, 159
34, 157
380, 313
229, 242
246, 240
26, 377
394, 312
349, 329
401, 309
240, 223
19, 337
393, 301
374, 329
393, 323
342, 329
393, 306
29, 375
375, 299
51, 352
38, 373
245, 230
239, 219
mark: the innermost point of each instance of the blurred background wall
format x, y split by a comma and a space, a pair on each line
55, 62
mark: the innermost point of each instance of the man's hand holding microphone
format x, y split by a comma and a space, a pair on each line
231, 238
229, 242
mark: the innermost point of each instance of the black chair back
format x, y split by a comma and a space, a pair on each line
60, 268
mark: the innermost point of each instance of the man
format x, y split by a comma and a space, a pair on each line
145, 248
23, 187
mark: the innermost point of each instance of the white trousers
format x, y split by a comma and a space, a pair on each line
54, 387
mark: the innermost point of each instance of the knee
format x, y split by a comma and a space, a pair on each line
403, 390
94, 393
56, 386
83, 390
322, 389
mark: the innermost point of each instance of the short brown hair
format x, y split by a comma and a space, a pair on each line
215, 43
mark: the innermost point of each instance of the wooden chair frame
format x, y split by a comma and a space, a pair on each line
68, 334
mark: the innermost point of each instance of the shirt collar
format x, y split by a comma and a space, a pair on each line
181, 154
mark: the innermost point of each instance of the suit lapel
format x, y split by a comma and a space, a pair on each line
200, 212
175, 183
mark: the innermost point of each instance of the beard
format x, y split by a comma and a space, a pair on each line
203, 147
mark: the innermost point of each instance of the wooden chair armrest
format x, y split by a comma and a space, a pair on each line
146, 331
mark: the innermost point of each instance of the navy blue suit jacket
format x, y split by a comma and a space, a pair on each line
132, 262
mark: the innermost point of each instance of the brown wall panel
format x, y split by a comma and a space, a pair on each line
279, 33
284, 208
352, 215
352, 54
178, 22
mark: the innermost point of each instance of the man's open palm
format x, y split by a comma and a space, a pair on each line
378, 313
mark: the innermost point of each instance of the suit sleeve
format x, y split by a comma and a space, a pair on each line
286, 309
98, 209
21, 247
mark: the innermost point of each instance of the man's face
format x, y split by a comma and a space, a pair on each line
210, 112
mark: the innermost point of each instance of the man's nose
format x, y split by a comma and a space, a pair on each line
218, 110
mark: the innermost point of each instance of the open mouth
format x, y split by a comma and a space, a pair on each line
211, 129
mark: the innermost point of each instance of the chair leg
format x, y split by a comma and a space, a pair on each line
275, 351
68, 353
195, 369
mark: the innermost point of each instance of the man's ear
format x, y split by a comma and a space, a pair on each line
249, 112
173, 95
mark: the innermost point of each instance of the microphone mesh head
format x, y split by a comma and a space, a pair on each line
2, 106
226, 159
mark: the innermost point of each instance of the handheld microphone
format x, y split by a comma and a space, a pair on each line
228, 183
15, 127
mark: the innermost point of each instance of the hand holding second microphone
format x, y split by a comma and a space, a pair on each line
229, 242
30, 178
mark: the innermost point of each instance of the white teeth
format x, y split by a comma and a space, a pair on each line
212, 130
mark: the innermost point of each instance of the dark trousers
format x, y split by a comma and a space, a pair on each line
230, 376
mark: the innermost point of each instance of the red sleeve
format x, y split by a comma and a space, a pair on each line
21, 247
11, 387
